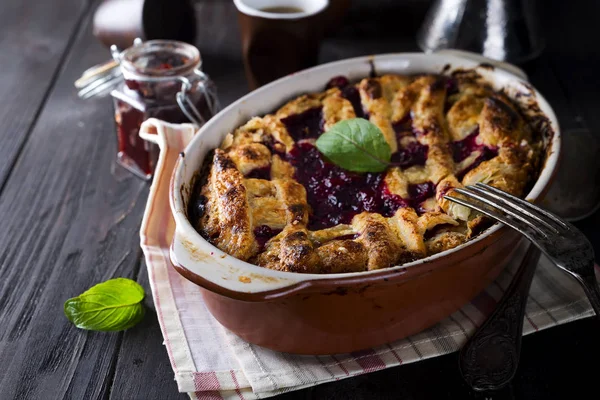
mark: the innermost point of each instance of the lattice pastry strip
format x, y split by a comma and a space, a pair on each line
276, 203
336, 108
226, 221
378, 109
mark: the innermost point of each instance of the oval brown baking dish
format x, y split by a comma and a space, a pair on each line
334, 313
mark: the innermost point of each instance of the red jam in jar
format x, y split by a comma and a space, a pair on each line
163, 80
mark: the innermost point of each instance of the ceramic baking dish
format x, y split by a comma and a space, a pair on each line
325, 314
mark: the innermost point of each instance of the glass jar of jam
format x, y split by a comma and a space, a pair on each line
163, 80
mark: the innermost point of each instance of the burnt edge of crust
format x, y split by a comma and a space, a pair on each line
526, 103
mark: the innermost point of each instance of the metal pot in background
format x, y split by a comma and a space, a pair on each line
505, 30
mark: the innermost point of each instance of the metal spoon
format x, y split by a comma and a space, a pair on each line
489, 359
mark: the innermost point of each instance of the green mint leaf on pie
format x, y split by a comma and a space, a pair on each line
356, 145
113, 305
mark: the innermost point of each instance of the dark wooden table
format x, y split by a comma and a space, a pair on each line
70, 217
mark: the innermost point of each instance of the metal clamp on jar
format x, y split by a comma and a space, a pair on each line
155, 79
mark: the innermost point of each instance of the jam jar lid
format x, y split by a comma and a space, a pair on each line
159, 58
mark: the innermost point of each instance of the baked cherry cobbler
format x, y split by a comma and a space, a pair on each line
270, 197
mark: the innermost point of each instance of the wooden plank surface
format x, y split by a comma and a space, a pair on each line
34, 38
70, 220
143, 370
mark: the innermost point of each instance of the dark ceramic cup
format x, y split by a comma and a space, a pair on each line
279, 37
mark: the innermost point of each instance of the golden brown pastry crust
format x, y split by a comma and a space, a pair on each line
227, 220
237, 204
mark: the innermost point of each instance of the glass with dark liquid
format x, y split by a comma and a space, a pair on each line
279, 37
163, 80
282, 10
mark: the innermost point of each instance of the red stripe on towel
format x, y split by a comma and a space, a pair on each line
237, 385
368, 360
206, 381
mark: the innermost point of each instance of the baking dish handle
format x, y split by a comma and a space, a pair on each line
171, 140
510, 68
167, 135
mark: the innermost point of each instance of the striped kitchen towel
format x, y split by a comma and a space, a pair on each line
210, 362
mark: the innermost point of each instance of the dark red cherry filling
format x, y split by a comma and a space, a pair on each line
337, 195
351, 94
197, 206
263, 233
391, 202
419, 193
462, 149
260, 173
351, 236
403, 127
451, 89
273, 145
339, 82
487, 153
306, 125
414, 153
451, 86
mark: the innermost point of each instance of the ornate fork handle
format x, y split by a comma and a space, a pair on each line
489, 359
590, 286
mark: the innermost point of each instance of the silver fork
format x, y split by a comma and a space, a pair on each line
489, 359
562, 242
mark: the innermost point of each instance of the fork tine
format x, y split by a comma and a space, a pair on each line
513, 205
485, 200
525, 204
524, 229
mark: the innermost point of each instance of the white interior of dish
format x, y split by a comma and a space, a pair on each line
231, 273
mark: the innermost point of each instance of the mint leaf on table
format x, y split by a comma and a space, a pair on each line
113, 305
356, 145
